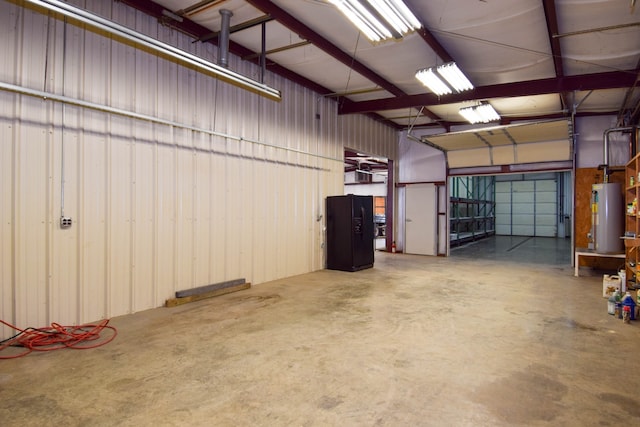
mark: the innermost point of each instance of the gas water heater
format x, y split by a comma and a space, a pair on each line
607, 216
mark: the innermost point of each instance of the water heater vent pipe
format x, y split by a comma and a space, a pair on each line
606, 149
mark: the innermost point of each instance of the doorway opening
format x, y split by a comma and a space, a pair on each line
367, 175
511, 213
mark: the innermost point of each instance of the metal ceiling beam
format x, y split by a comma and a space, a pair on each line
320, 42
551, 17
198, 31
628, 112
307, 33
243, 26
597, 81
597, 30
552, 30
279, 49
434, 44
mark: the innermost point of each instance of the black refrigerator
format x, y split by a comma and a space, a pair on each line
350, 232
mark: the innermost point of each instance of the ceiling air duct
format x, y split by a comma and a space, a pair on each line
223, 57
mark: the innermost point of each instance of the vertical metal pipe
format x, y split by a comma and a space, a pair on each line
223, 57
62, 136
263, 53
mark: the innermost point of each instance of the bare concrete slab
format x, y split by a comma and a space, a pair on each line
414, 341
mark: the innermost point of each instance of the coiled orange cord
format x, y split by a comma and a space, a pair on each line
81, 337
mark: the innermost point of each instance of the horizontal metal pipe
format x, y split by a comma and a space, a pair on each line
156, 45
47, 96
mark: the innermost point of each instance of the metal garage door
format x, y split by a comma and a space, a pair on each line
526, 208
509, 146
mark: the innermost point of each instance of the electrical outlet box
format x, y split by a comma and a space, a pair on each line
65, 222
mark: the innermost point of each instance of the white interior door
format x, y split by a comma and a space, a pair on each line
420, 220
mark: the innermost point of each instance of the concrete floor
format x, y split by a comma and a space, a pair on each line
492, 336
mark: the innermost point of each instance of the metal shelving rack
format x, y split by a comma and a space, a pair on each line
472, 209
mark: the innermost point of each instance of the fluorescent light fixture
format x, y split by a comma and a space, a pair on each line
481, 113
429, 78
444, 79
452, 74
379, 19
172, 15
112, 28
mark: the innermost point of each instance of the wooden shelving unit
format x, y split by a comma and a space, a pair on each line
632, 221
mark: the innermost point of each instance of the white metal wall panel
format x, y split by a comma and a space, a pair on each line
120, 225
10, 31
155, 208
7, 167
31, 212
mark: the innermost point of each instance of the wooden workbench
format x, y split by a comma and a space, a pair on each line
582, 252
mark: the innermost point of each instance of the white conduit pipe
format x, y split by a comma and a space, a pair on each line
47, 96
153, 44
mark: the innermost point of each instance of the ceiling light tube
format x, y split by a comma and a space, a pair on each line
482, 113
378, 19
402, 11
396, 22
454, 77
112, 28
429, 78
368, 19
470, 115
402, 21
351, 14
487, 113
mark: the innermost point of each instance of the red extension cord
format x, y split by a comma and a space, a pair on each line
56, 337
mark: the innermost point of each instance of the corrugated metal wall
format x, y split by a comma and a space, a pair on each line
155, 208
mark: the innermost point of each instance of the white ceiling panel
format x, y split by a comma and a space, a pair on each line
277, 37
598, 35
336, 77
581, 15
527, 105
601, 51
402, 64
490, 42
407, 116
601, 100
519, 54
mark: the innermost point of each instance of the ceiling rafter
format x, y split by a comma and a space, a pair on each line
607, 80
198, 31
320, 42
625, 107
434, 44
551, 17
285, 19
